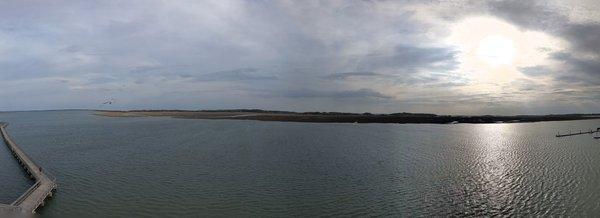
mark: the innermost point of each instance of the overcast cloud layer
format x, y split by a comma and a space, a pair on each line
356, 56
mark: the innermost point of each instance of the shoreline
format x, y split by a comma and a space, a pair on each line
334, 117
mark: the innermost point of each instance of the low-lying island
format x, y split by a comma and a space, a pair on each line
337, 117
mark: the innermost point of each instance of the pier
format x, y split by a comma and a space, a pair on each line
34, 197
578, 133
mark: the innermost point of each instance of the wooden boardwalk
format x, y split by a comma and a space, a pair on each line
35, 196
579, 133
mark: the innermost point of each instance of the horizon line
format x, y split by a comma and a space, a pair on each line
268, 110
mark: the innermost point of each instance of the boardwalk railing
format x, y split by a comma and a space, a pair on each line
9, 210
578, 133
26, 194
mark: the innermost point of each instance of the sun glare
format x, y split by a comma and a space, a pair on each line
496, 50
491, 51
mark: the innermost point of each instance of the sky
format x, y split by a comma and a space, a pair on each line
427, 56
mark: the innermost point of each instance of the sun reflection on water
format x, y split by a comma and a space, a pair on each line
493, 159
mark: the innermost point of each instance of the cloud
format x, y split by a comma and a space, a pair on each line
235, 75
533, 14
582, 71
348, 75
319, 55
72, 49
411, 59
577, 66
583, 36
545, 16
308, 93
536, 70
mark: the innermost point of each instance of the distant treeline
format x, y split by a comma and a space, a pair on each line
290, 112
341, 117
347, 113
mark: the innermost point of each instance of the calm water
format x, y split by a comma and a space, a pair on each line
163, 167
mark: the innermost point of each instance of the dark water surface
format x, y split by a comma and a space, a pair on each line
164, 167
13, 179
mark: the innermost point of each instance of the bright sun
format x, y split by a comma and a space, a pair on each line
496, 50
491, 51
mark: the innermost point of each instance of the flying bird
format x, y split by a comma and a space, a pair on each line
110, 101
